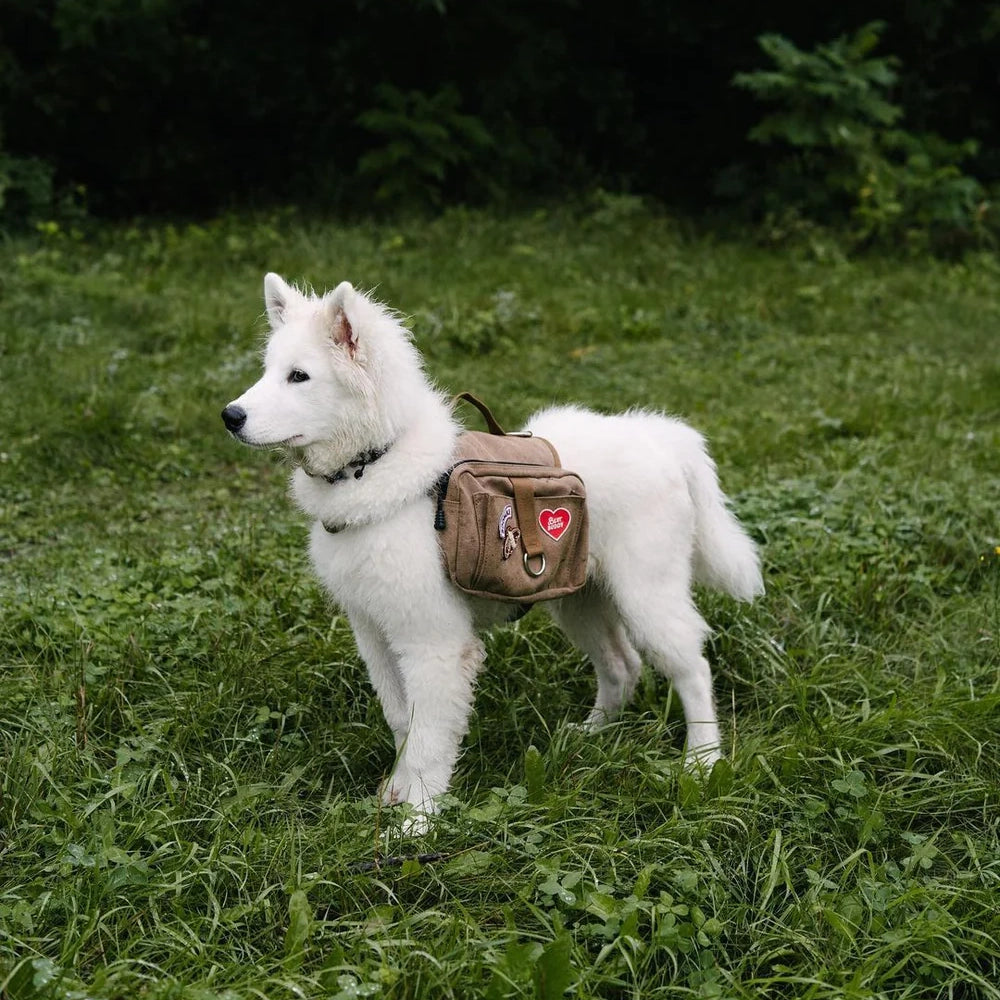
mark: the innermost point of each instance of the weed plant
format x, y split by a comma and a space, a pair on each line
188, 745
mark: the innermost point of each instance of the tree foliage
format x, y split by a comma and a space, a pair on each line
185, 107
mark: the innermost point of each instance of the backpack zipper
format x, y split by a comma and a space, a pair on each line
441, 486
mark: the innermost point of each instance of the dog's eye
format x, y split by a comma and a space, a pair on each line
297, 375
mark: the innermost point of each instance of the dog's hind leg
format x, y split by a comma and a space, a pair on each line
671, 634
592, 623
665, 626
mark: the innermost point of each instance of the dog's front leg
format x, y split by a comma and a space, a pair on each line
438, 677
383, 672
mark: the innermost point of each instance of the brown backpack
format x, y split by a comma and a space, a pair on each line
512, 522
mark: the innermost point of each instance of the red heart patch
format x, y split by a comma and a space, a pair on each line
554, 522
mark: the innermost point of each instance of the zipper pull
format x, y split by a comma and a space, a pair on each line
441, 488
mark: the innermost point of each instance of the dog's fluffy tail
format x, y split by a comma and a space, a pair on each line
725, 558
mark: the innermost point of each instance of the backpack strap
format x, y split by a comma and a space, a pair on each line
495, 428
491, 421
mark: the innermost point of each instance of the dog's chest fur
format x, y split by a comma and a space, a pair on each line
392, 572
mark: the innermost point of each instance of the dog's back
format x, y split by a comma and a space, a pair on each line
651, 482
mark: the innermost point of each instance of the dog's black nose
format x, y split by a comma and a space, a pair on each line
234, 417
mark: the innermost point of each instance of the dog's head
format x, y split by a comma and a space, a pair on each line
320, 371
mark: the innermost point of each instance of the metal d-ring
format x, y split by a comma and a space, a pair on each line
527, 567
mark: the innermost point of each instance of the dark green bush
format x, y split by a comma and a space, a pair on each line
26, 188
846, 155
425, 139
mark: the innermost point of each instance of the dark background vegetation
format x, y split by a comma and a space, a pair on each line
186, 107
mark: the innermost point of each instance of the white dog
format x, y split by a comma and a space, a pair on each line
344, 390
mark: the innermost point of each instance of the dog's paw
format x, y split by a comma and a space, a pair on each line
417, 809
700, 760
414, 818
415, 822
598, 719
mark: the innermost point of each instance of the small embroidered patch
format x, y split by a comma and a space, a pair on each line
554, 522
510, 541
505, 517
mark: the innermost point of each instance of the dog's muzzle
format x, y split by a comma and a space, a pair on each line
234, 417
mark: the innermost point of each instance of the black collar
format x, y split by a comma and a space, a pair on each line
355, 467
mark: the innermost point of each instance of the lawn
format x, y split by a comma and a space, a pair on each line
188, 745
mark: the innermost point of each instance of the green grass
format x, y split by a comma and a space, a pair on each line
188, 746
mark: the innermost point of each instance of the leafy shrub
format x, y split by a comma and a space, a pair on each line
427, 143
848, 153
29, 194
26, 189
918, 191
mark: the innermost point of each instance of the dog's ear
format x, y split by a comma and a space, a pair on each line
277, 294
341, 329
